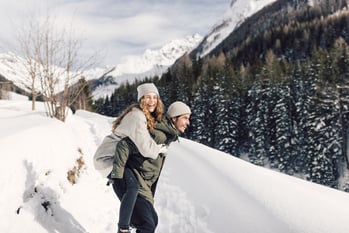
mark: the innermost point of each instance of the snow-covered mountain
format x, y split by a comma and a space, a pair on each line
149, 64
12, 68
238, 12
106, 79
152, 62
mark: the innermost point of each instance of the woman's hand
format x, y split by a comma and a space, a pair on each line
163, 149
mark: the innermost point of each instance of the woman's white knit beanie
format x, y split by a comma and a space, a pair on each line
178, 108
146, 88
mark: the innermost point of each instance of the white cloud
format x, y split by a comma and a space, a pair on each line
118, 27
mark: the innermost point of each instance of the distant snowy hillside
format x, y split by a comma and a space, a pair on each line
12, 68
238, 12
106, 79
151, 63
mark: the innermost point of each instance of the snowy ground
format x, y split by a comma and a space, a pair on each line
201, 190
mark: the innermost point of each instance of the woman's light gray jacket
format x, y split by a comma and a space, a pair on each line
134, 126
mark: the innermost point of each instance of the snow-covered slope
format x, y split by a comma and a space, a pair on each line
200, 189
238, 12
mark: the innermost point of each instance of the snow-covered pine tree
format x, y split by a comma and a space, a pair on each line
257, 123
323, 167
283, 157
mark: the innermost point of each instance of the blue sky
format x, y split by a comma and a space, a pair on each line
117, 28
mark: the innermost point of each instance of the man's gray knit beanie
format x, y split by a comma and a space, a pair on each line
178, 108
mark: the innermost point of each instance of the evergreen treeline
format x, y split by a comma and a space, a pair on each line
269, 101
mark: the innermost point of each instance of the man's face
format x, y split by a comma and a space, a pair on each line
181, 122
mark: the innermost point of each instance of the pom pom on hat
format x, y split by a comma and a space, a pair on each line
146, 88
178, 108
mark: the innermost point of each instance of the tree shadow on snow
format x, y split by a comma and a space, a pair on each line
44, 204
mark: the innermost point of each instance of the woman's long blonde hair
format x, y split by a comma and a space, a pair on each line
151, 117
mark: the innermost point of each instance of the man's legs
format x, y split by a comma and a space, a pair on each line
126, 189
144, 216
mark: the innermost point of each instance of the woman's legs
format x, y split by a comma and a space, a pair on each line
126, 189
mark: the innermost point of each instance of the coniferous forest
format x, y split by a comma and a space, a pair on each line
276, 94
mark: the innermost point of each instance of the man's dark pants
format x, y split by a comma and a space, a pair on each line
144, 216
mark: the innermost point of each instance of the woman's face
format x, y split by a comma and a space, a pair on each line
151, 101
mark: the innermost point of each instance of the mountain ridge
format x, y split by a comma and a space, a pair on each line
238, 12
151, 63
105, 79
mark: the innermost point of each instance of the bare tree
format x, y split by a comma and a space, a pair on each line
52, 57
29, 46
